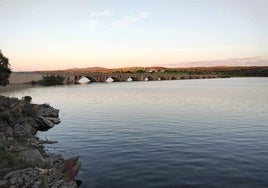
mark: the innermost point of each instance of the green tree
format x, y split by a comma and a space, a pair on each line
5, 70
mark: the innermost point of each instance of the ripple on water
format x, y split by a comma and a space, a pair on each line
186, 133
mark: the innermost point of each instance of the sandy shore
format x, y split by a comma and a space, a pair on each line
14, 87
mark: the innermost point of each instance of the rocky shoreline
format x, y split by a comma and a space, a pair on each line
23, 161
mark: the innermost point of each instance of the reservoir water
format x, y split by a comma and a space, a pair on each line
181, 133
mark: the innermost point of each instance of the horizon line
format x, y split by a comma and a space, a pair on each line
153, 67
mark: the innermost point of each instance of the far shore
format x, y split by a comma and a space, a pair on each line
14, 87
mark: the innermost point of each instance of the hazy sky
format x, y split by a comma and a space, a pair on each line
60, 34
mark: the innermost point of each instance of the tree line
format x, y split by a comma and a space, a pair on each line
225, 71
5, 69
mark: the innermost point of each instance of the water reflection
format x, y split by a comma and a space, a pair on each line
183, 133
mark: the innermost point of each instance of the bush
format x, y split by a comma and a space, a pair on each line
27, 99
51, 80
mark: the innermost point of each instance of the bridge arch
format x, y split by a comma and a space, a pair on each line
148, 78
77, 79
91, 79
162, 78
173, 78
112, 79
115, 79
83, 80
132, 78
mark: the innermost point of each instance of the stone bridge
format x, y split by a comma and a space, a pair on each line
73, 78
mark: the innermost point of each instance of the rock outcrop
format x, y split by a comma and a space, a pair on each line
23, 161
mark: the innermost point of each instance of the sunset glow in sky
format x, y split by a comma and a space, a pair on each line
61, 34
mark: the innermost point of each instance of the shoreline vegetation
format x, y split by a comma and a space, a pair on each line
221, 71
23, 160
49, 81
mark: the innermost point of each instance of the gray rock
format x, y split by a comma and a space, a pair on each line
22, 177
15, 180
46, 122
9, 132
3, 123
3, 183
32, 156
58, 183
23, 130
4, 164
5, 115
54, 120
36, 184
17, 148
53, 160
47, 111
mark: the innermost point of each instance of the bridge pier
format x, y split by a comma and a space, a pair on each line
69, 79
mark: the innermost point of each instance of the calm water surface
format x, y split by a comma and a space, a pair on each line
185, 133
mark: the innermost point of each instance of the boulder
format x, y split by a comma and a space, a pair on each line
54, 120
44, 124
24, 129
31, 156
47, 111
3, 183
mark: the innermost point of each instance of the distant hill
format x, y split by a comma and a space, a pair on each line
222, 71
107, 70
88, 69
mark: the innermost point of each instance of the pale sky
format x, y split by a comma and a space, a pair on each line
61, 34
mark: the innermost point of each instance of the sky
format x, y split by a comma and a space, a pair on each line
62, 34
